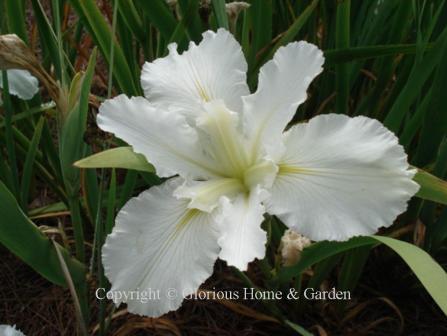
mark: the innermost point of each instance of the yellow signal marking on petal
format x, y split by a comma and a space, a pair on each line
183, 222
260, 173
225, 139
187, 217
202, 92
285, 169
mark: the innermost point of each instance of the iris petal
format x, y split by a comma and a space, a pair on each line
167, 141
341, 177
282, 87
159, 246
214, 69
242, 239
21, 83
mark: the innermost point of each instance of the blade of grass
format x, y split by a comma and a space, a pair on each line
112, 49
29, 163
245, 38
50, 153
101, 33
438, 232
90, 192
261, 33
128, 188
131, 48
5, 172
334, 56
10, 147
414, 84
15, 10
98, 242
300, 330
290, 34
30, 112
76, 222
342, 40
98, 232
78, 310
351, 270
72, 148
434, 127
220, 13
386, 65
352, 267
429, 210
133, 20
322, 271
190, 9
111, 202
415, 122
75, 40
50, 208
72, 145
24, 239
160, 16
22, 146
48, 39
46, 176
60, 47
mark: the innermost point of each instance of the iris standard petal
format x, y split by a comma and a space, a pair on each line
219, 133
214, 69
21, 83
159, 246
241, 237
283, 82
341, 177
166, 140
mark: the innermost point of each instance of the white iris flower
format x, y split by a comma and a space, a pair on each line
21, 83
7, 330
331, 178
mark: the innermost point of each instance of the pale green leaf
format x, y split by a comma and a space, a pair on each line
120, 157
430, 273
432, 188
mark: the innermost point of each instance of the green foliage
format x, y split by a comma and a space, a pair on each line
342, 40
431, 274
432, 188
25, 240
29, 162
72, 146
121, 157
100, 31
221, 15
16, 18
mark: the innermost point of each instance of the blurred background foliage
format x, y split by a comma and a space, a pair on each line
385, 59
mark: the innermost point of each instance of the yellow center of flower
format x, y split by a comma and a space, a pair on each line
220, 131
